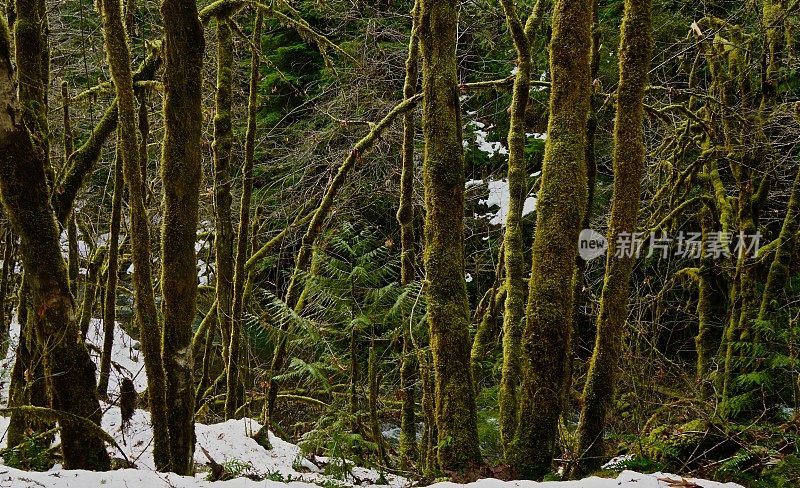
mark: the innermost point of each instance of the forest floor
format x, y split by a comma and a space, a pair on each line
230, 444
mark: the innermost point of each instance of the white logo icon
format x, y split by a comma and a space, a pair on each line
591, 244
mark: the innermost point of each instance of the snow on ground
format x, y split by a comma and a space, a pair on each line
231, 441
499, 196
138, 478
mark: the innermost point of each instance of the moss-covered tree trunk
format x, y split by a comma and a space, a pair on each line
180, 174
711, 305
28, 382
242, 235
744, 304
427, 450
560, 211
25, 195
405, 218
145, 310
32, 59
582, 290
513, 245
91, 288
223, 232
9, 263
146, 314
445, 287
629, 163
72, 225
31, 55
488, 326
773, 17
784, 251
110, 309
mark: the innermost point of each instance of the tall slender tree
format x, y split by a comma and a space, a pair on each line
223, 232
629, 164
242, 236
445, 286
405, 217
514, 251
180, 174
118, 53
560, 210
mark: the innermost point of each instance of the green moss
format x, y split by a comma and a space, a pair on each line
629, 164
68, 370
445, 288
5, 39
223, 237
118, 54
181, 175
514, 252
405, 218
561, 206
33, 67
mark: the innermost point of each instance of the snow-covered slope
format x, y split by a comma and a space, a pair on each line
231, 442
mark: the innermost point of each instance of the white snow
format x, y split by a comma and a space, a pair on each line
499, 197
231, 441
626, 479
481, 132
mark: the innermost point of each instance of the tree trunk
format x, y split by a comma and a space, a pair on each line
223, 232
6, 284
445, 286
405, 218
180, 174
560, 211
240, 272
513, 246
784, 251
629, 161
33, 69
146, 314
110, 309
26, 200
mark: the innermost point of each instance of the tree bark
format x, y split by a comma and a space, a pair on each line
405, 218
146, 315
445, 286
223, 232
560, 210
240, 272
513, 246
629, 163
26, 200
180, 174
110, 301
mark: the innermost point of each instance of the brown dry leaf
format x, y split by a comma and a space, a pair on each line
681, 483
